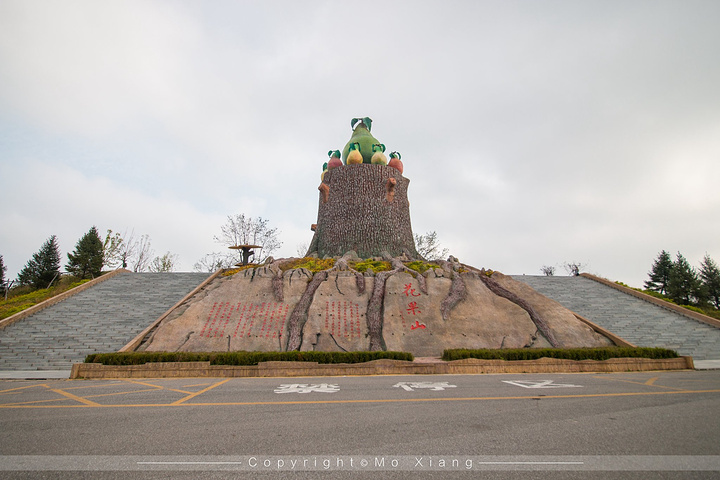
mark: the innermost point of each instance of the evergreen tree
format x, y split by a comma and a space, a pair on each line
710, 276
660, 273
684, 286
43, 267
87, 259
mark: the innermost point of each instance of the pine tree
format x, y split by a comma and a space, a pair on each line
710, 276
684, 286
660, 273
87, 259
43, 267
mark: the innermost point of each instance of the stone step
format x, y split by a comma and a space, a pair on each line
100, 319
633, 319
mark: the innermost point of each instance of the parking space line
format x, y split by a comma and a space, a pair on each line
183, 400
93, 386
74, 397
84, 402
121, 393
650, 382
33, 402
22, 388
159, 387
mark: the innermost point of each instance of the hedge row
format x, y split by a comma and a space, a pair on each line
241, 358
564, 353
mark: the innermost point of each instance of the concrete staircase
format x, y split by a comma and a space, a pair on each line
102, 318
107, 316
633, 319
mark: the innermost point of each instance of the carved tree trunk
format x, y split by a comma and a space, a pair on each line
364, 208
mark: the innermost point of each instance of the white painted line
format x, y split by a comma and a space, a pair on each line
540, 384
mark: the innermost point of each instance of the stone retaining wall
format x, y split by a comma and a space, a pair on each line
375, 367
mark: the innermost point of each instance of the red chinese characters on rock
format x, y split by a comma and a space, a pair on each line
409, 291
343, 319
243, 320
413, 308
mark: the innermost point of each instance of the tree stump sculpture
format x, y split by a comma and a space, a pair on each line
363, 208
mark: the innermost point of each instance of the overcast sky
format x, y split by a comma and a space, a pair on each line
533, 132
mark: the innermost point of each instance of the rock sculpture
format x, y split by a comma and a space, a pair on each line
363, 286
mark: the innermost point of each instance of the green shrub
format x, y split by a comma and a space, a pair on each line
241, 358
313, 264
24, 297
421, 267
603, 353
372, 265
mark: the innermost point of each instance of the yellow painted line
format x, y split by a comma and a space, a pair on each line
34, 402
385, 400
74, 397
94, 386
121, 393
183, 400
458, 399
196, 385
650, 382
159, 387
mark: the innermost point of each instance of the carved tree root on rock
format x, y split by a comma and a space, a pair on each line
398, 266
277, 286
374, 312
457, 293
298, 317
542, 327
342, 264
458, 290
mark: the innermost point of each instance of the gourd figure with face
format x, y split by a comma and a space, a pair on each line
354, 155
378, 156
361, 136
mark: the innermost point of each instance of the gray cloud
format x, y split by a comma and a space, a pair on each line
533, 132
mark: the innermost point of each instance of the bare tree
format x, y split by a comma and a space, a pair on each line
429, 247
213, 262
548, 270
128, 251
574, 268
166, 263
242, 230
113, 248
143, 254
301, 249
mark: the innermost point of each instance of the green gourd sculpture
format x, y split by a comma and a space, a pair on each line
362, 136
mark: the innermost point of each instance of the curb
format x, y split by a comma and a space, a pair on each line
376, 367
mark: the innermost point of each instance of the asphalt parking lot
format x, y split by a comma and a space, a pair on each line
625, 424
